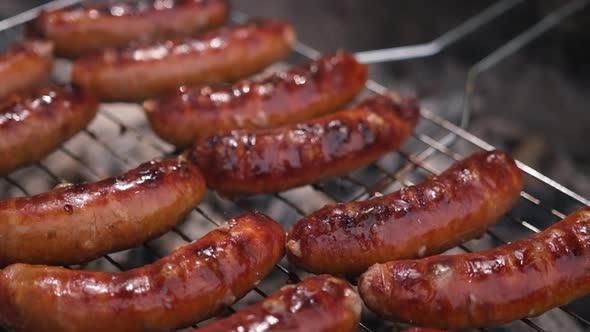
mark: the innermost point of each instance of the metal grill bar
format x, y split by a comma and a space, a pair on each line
513, 46
442, 42
30, 14
413, 161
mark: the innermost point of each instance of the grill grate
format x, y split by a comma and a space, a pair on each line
119, 139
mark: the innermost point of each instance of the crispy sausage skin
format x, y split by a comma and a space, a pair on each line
33, 125
192, 284
416, 221
80, 30
320, 304
226, 54
517, 280
25, 66
302, 93
270, 160
79, 222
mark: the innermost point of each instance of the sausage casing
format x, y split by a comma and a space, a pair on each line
77, 223
521, 279
302, 93
415, 221
25, 66
320, 304
192, 284
33, 125
270, 160
80, 30
227, 54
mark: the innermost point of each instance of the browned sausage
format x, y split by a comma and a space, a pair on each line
514, 281
25, 66
319, 304
81, 30
34, 125
77, 223
192, 284
227, 54
302, 93
243, 162
416, 221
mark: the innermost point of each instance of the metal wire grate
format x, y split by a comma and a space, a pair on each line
119, 139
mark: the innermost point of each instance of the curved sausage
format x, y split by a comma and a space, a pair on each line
25, 66
192, 284
420, 329
270, 160
34, 125
302, 93
416, 221
77, 223
492, 287
226, 54
80, 30
320, 304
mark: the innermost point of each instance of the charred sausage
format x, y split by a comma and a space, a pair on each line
139, 72
77, 223
514, 281
33, 125
192, 284
302, 93
416, 221
320, 304
25, 67
80, 30
270, 160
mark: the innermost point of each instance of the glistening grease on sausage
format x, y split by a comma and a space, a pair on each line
270, 160
320, 304
302, 93
80, 30
25, 66
33, 125
227, 54
79, 222
192, 284
416, 221
521, 279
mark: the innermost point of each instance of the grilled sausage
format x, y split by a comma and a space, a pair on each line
77, 223
192, 284
270, 160
77, 31
299, 94
33, 125
416, 221
517, 280
320, 304
25, 66
226, 54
